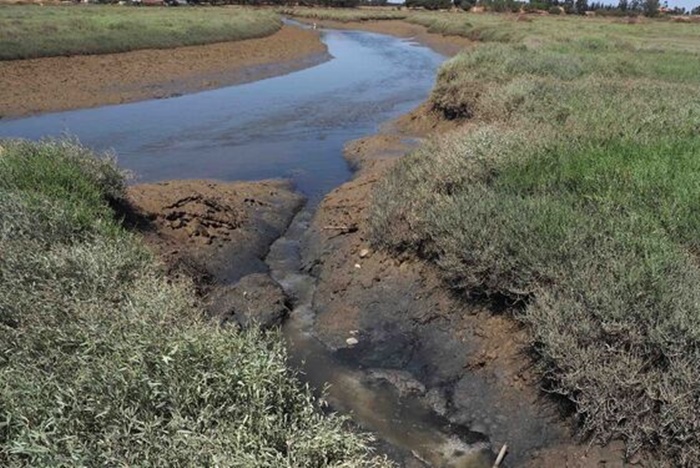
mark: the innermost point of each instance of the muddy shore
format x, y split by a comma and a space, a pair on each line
63, 83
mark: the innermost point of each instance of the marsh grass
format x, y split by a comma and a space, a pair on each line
29, 31
105, 361
345, 15
575, 194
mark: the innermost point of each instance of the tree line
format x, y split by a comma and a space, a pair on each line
650, 8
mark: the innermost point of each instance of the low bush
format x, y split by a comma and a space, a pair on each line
574, 193
105, 361
345, 15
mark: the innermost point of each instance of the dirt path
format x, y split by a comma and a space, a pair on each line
62, 83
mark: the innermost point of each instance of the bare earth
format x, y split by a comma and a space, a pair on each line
214, 231
63, 83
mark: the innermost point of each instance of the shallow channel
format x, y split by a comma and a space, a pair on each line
294, 127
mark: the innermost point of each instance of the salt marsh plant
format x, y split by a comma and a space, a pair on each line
106, 361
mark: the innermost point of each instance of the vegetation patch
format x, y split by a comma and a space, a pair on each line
345, 15
575, 193
30, 31
105, 361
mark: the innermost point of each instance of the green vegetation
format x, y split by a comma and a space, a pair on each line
345, 15
535, 32
574, 192
31, 31
104, 361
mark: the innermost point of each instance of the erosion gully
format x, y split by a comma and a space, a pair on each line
294, 127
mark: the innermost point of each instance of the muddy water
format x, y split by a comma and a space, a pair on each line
292, 126
411, 429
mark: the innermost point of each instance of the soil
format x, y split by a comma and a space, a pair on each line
216, 232
62, 83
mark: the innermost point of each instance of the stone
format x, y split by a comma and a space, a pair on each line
352, 341
364, 253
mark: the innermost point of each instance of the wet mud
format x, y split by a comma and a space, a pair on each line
62, 83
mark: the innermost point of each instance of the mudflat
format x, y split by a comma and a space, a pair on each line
62, 83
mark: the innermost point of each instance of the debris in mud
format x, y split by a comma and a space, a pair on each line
352, 341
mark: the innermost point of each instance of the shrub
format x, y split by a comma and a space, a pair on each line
105, 361
574, 194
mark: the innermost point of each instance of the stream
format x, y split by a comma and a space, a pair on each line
294, 127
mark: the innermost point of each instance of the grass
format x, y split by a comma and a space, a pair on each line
29, 31
346, 15
574, 192
105, 361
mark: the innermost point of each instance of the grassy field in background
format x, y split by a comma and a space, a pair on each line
346, 15
31, 31
106, 362
575, 193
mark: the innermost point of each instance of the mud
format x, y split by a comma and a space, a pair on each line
214, 231
62, 83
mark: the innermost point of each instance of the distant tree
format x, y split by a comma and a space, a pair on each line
464, 4
430, 4
651, 8
695, 11
623, 5
581, 6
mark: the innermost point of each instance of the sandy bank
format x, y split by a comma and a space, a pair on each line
63, 83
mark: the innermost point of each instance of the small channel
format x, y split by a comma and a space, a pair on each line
294, 127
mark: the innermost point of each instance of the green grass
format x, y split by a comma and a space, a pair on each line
105, 361
346, 15
574, 192
30, 31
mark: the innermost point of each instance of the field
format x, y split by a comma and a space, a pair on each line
346, 15
573, 195
31, 31
105, 361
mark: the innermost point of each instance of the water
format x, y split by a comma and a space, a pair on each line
292, 126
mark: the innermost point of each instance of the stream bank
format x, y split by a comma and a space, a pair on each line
470, 363
54, 84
